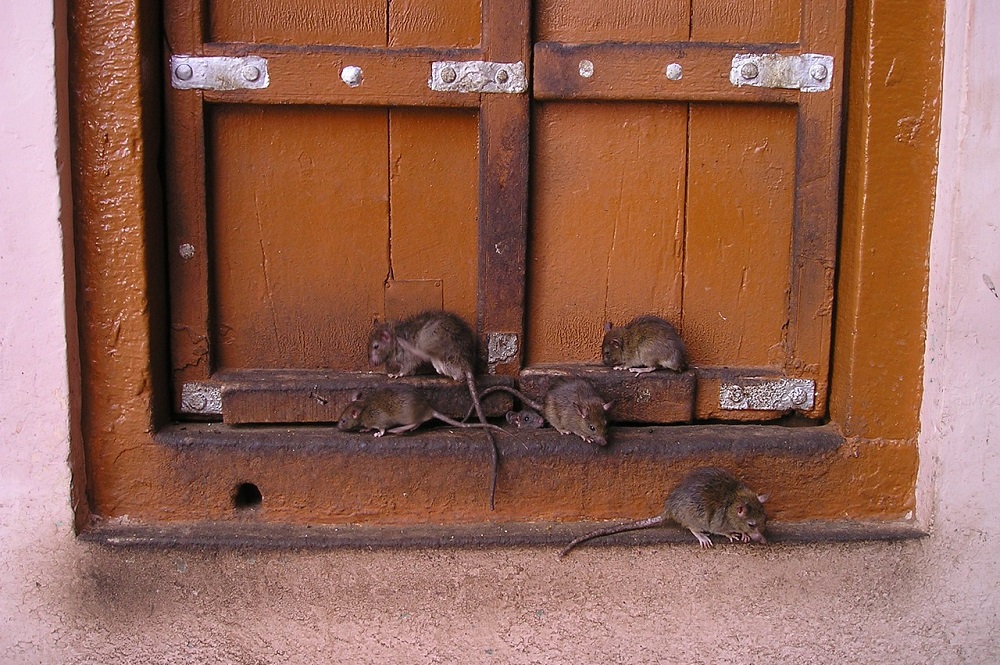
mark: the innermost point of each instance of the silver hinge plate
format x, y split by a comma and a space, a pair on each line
188, 72
478, 76
201, 398
808, 72
768, 395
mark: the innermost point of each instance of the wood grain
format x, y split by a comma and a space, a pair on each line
746, 20
739, 230
449, 24
608, 188
300, 22
434, 235
625, 20
300, 234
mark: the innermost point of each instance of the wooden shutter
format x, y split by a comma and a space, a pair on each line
300, 211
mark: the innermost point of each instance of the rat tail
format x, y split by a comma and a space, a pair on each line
471, 381
610, 530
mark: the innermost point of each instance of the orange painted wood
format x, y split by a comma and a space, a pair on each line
739, 234
305, 396
624, 20
746, 20
345, 22
638, 72
312, 76
504, 124
433, 234
661, 397
449, 24
299, 224
608, 188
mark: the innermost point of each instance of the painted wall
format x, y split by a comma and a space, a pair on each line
934, 600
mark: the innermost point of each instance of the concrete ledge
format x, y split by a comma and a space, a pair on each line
266, 536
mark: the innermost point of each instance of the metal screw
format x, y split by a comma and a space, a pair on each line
586, 69
196, 402
186, 251
818, 72
674, 71
502, 76
798, 396
448, 75
251, 73
736, 394
749, 71
351, 75
184, 72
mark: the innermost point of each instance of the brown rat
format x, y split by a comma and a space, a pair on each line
571, 407
442, 339
705, 501
395, 409
525, 419
646, 344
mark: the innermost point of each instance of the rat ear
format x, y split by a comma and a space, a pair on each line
741, 509
607, 405
607, 326
356, 395
763, 497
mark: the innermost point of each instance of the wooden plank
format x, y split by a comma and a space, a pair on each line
814, 236
284, 396
191, 357
638, 72
349, 22
741, 191
504, 125
312, 76
608, 190
433, 235
626, 20
449, 24
300, 231
661, 397
746, 20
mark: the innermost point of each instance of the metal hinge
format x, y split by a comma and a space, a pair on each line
808, 72
478, 76
201, 398
768, 395
188, 72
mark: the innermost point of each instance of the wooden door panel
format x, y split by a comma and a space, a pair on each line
607, 226
433, 235
299, 229
620, 21
760, 21
450, 24
737, 260
287, 22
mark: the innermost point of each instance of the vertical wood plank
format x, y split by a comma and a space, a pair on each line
578, 21
739, 234
434, 166
608, 187
450, 24
299, 234
345, 23
191, 353
503, 184
746, 20
817, 204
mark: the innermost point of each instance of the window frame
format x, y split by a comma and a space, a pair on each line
859, 467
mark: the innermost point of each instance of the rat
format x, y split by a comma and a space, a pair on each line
571, 407
707, 500
395, 409
646, 344
525, 419
437, 337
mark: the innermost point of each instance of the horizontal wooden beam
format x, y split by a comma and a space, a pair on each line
639, 72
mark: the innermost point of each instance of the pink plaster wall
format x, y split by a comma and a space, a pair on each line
934, 600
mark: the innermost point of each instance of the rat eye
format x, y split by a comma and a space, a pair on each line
593, 429
752, 524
